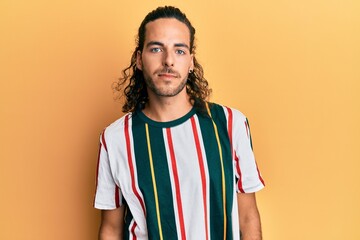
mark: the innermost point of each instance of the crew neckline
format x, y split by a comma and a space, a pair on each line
167, 124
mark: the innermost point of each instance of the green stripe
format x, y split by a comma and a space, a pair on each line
144, 174
128, 218
162, 176
219, 117
214, 167
249, 134
163, 183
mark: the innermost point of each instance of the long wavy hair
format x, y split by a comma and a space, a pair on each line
132, 83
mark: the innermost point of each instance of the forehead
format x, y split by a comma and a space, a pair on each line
167, 30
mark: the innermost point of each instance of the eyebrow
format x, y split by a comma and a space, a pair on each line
151, 43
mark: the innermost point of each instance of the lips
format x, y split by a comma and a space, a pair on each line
167, 75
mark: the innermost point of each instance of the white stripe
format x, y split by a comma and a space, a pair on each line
172, 181
235, 216
250, 178
206, 170
122, 174
190, 178
105, 192
236, 173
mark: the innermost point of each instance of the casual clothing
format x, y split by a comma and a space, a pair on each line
178, 179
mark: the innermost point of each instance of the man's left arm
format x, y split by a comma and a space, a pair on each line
249, 217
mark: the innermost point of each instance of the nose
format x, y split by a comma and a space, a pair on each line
168, 59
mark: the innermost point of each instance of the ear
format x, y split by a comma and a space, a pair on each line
192, 63
138, 60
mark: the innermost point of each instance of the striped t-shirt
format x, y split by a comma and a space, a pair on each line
178, 179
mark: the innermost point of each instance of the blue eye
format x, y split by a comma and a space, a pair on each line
181, 52
155, 50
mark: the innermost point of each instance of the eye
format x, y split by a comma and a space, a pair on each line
181, 52
155, 50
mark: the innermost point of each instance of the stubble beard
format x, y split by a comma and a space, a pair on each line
164, 91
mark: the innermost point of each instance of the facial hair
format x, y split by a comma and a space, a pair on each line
165, 91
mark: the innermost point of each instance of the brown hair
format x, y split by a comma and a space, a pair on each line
133, 84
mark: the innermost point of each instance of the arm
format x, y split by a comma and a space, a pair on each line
112, 224
249, 217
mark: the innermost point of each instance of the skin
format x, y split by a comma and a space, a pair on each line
165, 62
249, 217
112, 224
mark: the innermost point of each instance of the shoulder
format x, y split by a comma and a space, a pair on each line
218, 110
116, 127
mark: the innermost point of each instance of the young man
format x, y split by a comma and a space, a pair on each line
175, 166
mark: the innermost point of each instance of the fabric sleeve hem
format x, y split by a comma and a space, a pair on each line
104, 206
252, 189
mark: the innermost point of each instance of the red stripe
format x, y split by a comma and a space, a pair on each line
97, 166
177, 185
133, 230
247, 128
202, 173
117, 198
261, 179
239, 183
103, 139
130, 162
230, 127
98, 161
257, 169
97, 170
237, 163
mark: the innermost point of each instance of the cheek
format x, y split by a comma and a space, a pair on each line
150, 63
186, 65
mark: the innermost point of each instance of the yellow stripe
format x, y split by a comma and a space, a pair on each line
153, 181
222, 169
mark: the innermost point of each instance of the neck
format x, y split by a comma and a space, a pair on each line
164, 109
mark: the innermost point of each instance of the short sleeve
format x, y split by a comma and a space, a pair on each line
248, 177
107, 193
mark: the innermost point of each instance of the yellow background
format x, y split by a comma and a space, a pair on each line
293, 67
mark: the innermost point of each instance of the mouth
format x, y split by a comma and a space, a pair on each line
167, 75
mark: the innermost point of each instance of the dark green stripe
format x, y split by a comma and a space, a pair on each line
219, 117
162, 176
127, 218
144, 174
163, 183
248, 125
214, 167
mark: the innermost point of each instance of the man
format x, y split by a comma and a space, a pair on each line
175, 166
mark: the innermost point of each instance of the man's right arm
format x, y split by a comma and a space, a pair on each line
112, 224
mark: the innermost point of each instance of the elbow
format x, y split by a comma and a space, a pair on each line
109, 233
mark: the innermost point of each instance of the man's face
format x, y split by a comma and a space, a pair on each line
165, 59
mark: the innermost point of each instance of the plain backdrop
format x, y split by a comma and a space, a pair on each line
292, 67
